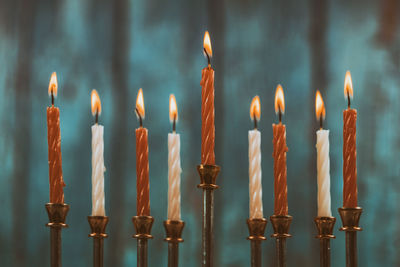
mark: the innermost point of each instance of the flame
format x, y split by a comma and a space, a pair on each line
53, 85
96, 103
255, 108
348, 86
279, 100
319, 106
207, 44
173, 109
140, 104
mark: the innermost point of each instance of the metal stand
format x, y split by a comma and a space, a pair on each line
57, 213
173, 230
143, 226
98, 226
350, 219
208, 177
256, 235
281, 225
325, 233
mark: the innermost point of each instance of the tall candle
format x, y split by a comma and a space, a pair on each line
279, 154
98, 168
142, 161
349, 148
324, 179
255, 187
54, 146
207, 107
174, 165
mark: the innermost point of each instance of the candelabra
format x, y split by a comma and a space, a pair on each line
143, 226
281, 225
173, 231
325, 233
57, 213
256, 235
208, 177
350, 220
98, 226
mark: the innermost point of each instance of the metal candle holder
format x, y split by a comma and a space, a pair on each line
173, 231
143, 226
281, 225
208, 177
98, 226
350, 220
325, 233
256, 235
57, 213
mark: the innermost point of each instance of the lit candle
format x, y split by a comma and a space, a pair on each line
54, 145
98, 168
255, 188
174, 165
324, 179
142, 161
279, 154
349, 148
207, 107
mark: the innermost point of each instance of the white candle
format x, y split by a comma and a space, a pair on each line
324, 179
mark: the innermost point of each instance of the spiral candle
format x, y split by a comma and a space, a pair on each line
349, 158
324, 179
142, 173
98, 170
256, 206
174, 177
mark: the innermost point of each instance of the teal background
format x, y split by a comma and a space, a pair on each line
119, 46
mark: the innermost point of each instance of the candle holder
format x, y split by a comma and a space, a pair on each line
281, 225
57, 213
256, 235
98, 226
143, 226
173, 230
208, 177
325, 233
350, 220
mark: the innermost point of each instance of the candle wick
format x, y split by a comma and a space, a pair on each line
174, 124
255, 122
97, 117
208, 58
320, 123
280, 115
140, 118
52, 98
348, 99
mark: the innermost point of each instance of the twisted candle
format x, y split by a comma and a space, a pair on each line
142, 173
256, 206
207, 115
174, 177
98, 170
349, 158
280, 171
324, 179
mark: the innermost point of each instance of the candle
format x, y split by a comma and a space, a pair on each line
324, 179
174, 165
54, 145
142, 161
207, 107
349, 148
98, 168
255, 188
279, 154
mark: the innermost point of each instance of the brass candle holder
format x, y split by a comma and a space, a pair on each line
143, 226
98, 226
350, 220
57, 213
173, 230
325, 234
208, 177
256, 235
281, 225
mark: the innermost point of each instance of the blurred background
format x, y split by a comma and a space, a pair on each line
119, 46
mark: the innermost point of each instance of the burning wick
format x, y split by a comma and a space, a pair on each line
53, 86
96, 105
255, 110
207, 48
140, 117
319, 109
173, 112
279, 102
140, 107
348, 88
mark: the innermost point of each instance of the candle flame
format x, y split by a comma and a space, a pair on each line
255, 108
319, 106
279, 100
173, 109
207, 44
140, 104
96, 103
348, 86
53, 85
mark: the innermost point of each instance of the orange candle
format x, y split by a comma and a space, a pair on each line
207, 107
142, 162
279, 154
349, 148
54, 145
